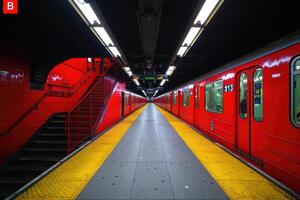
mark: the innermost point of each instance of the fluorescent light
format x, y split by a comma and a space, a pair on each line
181, 51
206, 11
155, 92
126, 69
104, 36
191, 36
87, 11
114, 51
170, 70
163, 82
136, 82
145, 93
129, 73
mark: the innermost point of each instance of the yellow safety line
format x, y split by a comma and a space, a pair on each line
69, 179
236, 179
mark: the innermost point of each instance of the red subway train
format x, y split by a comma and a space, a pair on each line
252, 107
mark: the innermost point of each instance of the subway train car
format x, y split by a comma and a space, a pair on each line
252, 107
131, 102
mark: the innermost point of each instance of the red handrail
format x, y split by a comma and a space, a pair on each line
83, 118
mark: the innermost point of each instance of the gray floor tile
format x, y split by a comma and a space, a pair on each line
112, 181
152, 162
152, 182
189, 181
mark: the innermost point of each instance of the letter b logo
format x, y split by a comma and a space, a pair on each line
10, 6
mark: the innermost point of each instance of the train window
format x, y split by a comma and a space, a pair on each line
296, 91
243, 96
174, 98
197, 96
258, 94
186, 98
126, 99
214, 96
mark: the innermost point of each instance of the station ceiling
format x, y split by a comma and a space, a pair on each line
148, 33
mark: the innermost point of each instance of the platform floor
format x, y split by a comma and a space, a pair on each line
152, 154
152, 162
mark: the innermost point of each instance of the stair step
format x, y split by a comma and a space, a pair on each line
56, 123
46, 149
49, 142
47, 145
53, 130
51, 134
27, 168
59, 117
36, 163
54, 127
48, 153
40, 158
51, 137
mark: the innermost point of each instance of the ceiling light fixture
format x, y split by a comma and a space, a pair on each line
114, 51
128, 71
191, 36
104, 36
206, 12
163, 82
182, 51
170, 70
145, 94
155, 93
87, 12
136, 82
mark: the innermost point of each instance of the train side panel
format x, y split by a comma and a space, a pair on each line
248, 110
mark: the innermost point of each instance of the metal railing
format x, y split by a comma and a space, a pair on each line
83, 118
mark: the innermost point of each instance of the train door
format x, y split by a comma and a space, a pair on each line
250, 102
197, 104
129, 103
123, 104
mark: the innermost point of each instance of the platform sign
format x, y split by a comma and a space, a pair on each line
10, 7
149, 78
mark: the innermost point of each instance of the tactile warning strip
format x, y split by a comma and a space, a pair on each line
236, 179
69, 179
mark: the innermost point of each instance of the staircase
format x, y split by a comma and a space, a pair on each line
43, 150
81, 121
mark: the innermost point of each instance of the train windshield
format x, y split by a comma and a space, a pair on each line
296, 91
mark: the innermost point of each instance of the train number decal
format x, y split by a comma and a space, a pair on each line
228, 88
